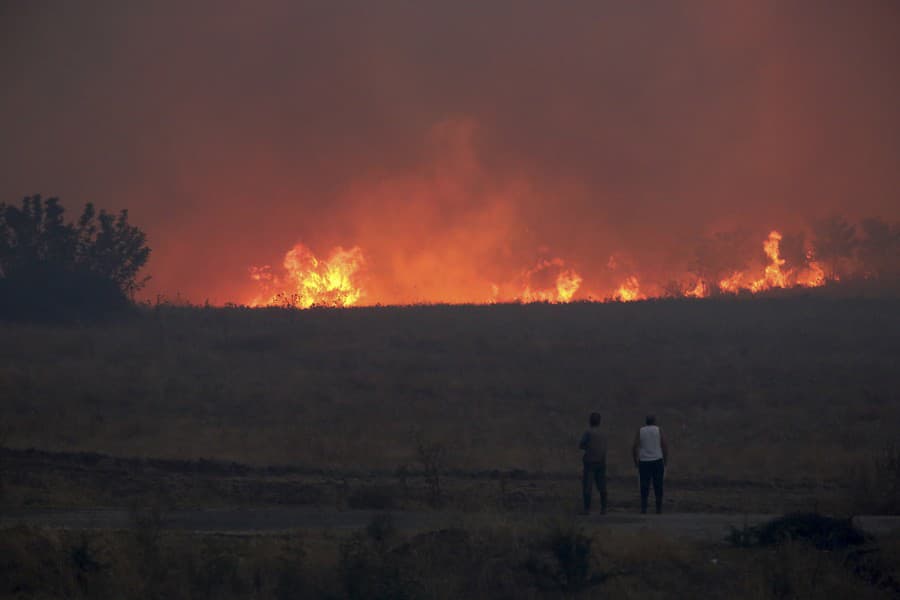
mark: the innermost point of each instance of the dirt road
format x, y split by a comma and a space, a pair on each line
263, 520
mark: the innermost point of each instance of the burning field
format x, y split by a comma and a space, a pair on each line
454, 231
338, 279
389, 256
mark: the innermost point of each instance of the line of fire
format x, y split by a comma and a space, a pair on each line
337, 279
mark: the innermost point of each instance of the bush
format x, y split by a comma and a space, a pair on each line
58, 271
823, 532
51, 293
561, 558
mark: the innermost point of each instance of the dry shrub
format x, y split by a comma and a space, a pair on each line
825, 533
562, 558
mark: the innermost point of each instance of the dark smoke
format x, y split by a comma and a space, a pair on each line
231, 130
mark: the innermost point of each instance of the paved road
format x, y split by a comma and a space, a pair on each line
698, 526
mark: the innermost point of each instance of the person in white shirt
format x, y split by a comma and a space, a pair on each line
650, 453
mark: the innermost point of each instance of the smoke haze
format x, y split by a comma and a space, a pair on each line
457, 144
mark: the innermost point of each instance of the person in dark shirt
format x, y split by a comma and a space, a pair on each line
593, 442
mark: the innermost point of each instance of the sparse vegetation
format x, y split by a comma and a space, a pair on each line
499, 561
561, 558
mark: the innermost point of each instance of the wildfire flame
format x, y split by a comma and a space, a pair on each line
774, 277
334, 281
629, 290
732, 283
566, 284
813, 275
700, 290
310, 281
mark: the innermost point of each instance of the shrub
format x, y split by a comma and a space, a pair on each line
53, 270
823, 532
561, 558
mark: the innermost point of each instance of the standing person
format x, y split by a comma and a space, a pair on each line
650, 453
593, 442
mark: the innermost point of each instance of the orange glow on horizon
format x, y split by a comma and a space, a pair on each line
337, 281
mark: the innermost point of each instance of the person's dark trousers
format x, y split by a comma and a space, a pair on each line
594, 474
652, 470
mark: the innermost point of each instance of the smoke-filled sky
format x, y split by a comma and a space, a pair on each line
456, 143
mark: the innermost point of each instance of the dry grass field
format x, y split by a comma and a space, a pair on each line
793, 388
770, 405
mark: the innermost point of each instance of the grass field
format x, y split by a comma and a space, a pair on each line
764, 389
769, 405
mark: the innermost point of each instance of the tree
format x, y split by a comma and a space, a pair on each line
51, 269
879, 250
834, 242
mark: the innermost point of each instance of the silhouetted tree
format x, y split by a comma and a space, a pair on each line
50, 269
834, 242
879, 250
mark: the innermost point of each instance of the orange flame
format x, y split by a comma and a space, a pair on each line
813, 275
732, 284
629, 290
566, 283
310, 281
334, 281
774, 277
700, 290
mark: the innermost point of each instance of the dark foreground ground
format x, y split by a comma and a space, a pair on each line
288, 552
705, 527
39, 479
226, 453
767, 390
